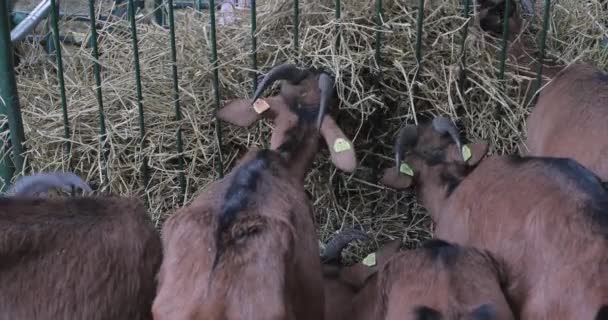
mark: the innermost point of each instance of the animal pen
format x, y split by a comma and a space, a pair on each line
129, 105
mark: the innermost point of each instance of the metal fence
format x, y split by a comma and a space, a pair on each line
13, 162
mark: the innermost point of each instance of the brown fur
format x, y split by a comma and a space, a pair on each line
570, 115
77, 258
246, 248
451, 282
271, 271
342, 283
546, 218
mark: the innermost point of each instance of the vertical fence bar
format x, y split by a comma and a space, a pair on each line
463, 40
140, 107
64, 107
379, 22
158, 12
338, 14
178, 113
216, 87
505, 36
543, 43
254, 46
296, 27
9, 103
104, 152
419, 25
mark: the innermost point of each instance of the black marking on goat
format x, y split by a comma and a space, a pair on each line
307, 114
426, 313
603, 76
602, 314
584, 180
238, 196
450, 181
483, 312
442, 251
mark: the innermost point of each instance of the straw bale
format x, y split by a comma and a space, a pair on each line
377, 97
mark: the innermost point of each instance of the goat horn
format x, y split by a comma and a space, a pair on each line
326, 87
407, 136
443, 125
43, 182
286, 71
334, 247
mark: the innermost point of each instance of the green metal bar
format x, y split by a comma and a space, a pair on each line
158, 12
9, 103
419, 24
379, 13
338, 14
254, 45
216, 87
64, 104
97, 71
463, 39
296, 26
178, 112
140, 107
505, 36
543, 43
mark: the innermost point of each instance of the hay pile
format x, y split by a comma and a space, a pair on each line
377, 99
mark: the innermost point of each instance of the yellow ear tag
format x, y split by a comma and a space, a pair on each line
260, 106
466, 153
370, 260
405, 169
341, 145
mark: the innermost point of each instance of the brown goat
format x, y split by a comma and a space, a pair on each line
547, 218
570, 115
75, 258
438, 281
246, 248
299, 99
342, 283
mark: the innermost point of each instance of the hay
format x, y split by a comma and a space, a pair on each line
377, 98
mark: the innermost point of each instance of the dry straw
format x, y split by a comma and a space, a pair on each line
377, 98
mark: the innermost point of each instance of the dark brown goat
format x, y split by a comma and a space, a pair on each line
246, 248
75, 258
438, 281
570, 116
547, 218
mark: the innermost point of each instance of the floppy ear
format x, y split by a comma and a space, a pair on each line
478, 152
395, 179
240, 112
340, 147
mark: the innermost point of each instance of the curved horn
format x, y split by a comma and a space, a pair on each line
407, 136
43, 182
334, 247
444, 125
326, 86
284, 71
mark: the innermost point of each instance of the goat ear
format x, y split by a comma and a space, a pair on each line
241, 113
395, 179
477, 150
340, 147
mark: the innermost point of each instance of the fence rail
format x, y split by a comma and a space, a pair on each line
13, 163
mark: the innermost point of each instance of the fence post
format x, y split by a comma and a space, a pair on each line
216, 87
9, 103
